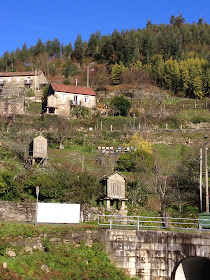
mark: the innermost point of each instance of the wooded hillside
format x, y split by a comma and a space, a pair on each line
176, 56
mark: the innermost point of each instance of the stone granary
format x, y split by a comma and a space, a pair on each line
38, 150
115, 191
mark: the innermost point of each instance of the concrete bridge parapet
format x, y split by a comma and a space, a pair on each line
156, 255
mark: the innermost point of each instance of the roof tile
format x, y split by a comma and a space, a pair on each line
17, 74
72, 89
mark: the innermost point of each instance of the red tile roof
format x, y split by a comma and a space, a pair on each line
73, 89
18, 74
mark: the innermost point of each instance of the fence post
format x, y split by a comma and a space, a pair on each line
138, 223
111, 127
167, 222
111, 222
199, 225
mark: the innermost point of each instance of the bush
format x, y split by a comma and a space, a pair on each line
121, 105
8, 187
138, 160
81, 112
30, 92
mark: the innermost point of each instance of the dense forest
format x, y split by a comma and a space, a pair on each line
175, 56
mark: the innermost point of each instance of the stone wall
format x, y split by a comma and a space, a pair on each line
17, 212
26, 212
154, 254
12, 106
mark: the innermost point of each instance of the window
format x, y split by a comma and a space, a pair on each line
86, 99
63, 97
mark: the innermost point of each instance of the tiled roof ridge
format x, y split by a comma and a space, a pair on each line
73, 89
15, 74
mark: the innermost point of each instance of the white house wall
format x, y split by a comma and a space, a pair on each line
63, 101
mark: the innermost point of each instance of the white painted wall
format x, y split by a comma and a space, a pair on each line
58, 213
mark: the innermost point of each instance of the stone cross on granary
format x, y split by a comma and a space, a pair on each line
115, 191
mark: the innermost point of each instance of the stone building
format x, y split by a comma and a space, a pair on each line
38, 150
61, 98
115, 191
33, 79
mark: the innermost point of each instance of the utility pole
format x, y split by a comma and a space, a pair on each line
201, 183
206, 176
35, 82
88, 74
88, 69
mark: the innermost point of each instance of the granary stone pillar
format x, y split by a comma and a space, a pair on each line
108, 204
122, 205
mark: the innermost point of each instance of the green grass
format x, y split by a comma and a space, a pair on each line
194, 115
73, 155
72, 261
34, 108
117, 122
29, 230
170, 155
65, 261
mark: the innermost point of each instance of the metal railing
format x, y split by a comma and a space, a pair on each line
144, 222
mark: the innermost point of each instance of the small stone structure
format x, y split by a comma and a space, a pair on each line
38, 150
115, 191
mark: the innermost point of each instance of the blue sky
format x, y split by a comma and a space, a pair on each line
27, 21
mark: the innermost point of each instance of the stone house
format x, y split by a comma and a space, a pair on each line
33, 79
61, 98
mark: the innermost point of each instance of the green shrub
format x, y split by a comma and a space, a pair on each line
138, 160
121, 105
30, 92
46, 245
81, 112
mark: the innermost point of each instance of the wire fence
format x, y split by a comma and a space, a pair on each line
144, 222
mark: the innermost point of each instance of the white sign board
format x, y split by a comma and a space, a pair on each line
58, 213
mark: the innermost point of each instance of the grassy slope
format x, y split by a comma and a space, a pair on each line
64, 261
